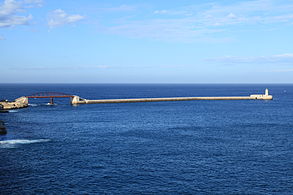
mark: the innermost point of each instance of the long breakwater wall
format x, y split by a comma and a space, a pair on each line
22, 102
78, 100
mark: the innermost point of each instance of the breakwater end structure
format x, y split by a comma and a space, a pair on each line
78, 100
23, 102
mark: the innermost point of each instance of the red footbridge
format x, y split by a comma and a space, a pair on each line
50, 95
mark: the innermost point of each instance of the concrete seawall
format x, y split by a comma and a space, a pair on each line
78, 100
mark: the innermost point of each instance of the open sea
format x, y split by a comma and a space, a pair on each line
184, 147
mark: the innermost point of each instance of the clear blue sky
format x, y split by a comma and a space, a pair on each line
138, 41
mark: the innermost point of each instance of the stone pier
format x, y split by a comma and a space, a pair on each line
78, 100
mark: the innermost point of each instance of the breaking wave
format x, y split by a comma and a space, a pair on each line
15, 142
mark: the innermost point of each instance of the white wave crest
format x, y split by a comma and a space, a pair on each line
33, 105
49, 104
15, 142
12, 110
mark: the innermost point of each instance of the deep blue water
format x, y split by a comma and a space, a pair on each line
189, 147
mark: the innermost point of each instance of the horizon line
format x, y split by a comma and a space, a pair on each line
93, 83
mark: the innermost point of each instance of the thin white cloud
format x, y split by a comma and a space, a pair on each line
38, 2
32, 3
172, 12
286, 55
2, 38
248, 12
286, 58
282, 70
121, 8
102, 67
59, 17
64, 67
10, 11
162, 29
163, 11
195, 22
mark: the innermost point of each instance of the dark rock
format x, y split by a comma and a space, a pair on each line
2, 109
2, 128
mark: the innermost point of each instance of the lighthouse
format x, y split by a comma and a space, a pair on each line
266, 92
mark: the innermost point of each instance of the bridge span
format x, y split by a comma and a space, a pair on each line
23, 101
50, 95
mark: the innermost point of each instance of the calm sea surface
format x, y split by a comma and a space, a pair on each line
189, 147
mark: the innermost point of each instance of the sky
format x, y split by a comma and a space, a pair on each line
153, 41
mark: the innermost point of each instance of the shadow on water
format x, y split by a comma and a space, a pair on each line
3, 130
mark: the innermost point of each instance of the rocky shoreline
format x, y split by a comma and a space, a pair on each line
21, 102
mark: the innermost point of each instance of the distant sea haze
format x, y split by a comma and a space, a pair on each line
192, 147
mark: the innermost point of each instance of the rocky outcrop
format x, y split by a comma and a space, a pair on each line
2, 128
21, 102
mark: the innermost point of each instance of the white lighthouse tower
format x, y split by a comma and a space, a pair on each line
265, 96
266, 92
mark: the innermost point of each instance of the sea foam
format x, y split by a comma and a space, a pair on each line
13, 111
33, 105
15, 142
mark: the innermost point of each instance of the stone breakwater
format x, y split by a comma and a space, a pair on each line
78, 100
22, 102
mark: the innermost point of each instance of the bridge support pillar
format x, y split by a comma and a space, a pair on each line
51, 101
